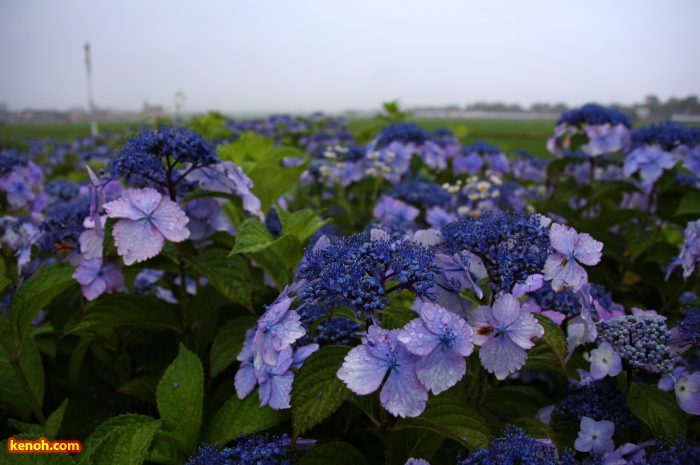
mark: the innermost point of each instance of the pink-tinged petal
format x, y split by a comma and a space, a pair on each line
501, 356
532, 283
145, 200
564, 273
402, 394
91, 243
605, 361
440, 370
94, 289
113, 276
87, 271
361, 372
171, 221
482, 323
245, 380
287, 330
137, 241
588, 250
524, 330
688, 393
123, 208
417, 337
562, 238
506, 310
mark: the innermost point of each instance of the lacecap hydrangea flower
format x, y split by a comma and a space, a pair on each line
441, 339
562, 267
366, 366
504, 332
147, 218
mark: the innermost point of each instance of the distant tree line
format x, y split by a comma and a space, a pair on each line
651, 109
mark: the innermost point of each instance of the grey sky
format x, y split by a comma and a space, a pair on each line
306, 55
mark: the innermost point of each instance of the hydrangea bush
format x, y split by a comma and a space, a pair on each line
282, 291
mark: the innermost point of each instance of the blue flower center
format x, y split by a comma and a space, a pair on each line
448, 338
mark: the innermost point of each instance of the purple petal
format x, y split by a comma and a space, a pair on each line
587, 250
564, 273
501, 356
277, 391
417, 337
245, 380
605, 361
562, 238
506, 310
483, 324
361, 372
688, 393
171, 221
402, 394
440, 370
124, 208
137, 241
524, 330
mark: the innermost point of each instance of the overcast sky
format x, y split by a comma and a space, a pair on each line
306, 55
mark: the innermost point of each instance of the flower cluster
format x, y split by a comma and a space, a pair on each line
511, 245
597, 400
517, 448
606, 129
353, 271
247, 450
689, 327
642, 341
149, 158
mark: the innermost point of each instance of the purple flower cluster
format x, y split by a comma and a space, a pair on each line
353, 271
511, 245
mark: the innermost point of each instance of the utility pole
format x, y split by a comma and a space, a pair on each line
91, 103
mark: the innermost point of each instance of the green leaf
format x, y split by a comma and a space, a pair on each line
127, 310
333, 453
270, 262
453, 420
35, 294
397, 317
125, 441
301, 224
271, 180
252, 236
11, 391
242, 416
554, 337
289, 250
249, 147
416, 443
180, 395
613, 189
659, 410
689, 204
165, 451
53, 423
316, 391
523, 401
228, 343
229, 275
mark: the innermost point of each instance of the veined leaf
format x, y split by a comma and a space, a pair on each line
245, 416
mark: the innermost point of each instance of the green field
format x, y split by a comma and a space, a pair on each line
529, 135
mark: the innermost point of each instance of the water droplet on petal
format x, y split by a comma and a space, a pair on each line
176, 384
